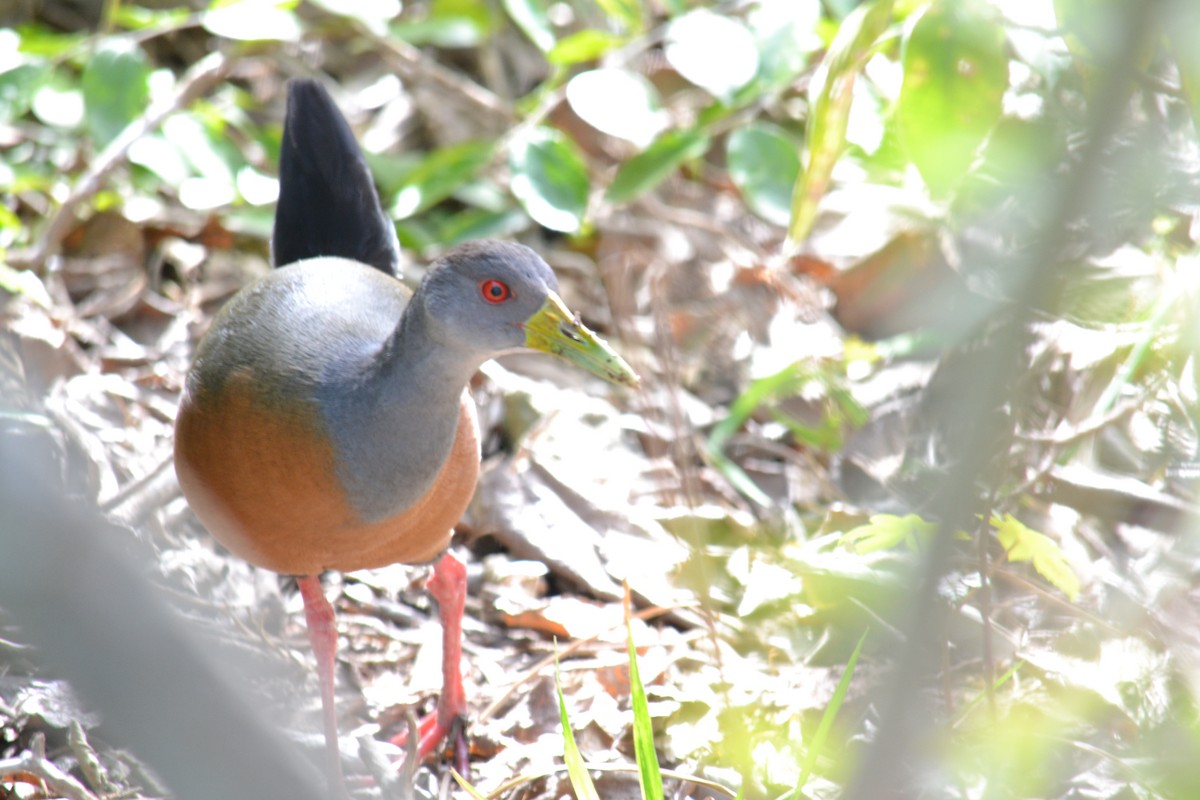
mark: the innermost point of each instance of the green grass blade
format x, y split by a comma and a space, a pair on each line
826, 724
643, 729
979, 698
581, 781
466, 786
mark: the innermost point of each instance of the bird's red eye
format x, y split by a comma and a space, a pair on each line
495, 291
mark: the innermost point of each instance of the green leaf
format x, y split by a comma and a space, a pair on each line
204, 149
627, 13
416, 234
162, 157
649, 774
764, 163
374, 14
786, 35
887, 531
955, 74
585, 45
479, 223
691, 42
39, 40
23, 281
137, 18
833, 88
450, 23
58, 102
530, 17
439, 175
649, 168
116, 88
817, 381
253, 21
618, 102
1025, 544
550, 179
18, 87
581, 781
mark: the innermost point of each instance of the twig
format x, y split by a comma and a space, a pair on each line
34, 762
134, 489
683, 777
982, 540
570, 647
412, 62
205, 74
89, 763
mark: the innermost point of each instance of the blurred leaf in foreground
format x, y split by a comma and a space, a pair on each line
116, 88
764, 163
649, 168
885, 531
550, 179
530, 17
1025, 544
694, 42
786, 34
585, 45
374, 14
619, 102
955, 74
439, 175
832, 90
253, 21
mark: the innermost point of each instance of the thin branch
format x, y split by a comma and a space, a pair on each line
417, 66
33, 762
205, 74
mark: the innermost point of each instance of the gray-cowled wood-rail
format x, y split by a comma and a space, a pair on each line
325, 422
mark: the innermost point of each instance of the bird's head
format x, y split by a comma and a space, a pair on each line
494, 297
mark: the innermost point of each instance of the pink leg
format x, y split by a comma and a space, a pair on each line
448, 585
322, 635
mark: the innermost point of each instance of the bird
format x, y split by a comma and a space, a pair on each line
325, 422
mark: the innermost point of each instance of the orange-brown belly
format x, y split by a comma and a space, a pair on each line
265, 485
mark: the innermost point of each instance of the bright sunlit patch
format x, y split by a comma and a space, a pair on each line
162, 84
372, 13
202, 194
384, 90
141, 208
618, 102
408, 200
9, 57
253, 20
541, 208
865, 127
160, 157
59, 108
714, 52
1028, 13
194, 143
257, 189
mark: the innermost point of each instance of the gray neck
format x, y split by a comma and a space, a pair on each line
394, 427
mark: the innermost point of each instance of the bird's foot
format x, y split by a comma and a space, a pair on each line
431, 732
448, 586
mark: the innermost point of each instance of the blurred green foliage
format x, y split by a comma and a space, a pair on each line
962, 109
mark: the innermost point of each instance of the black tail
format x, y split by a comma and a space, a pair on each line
327, 200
